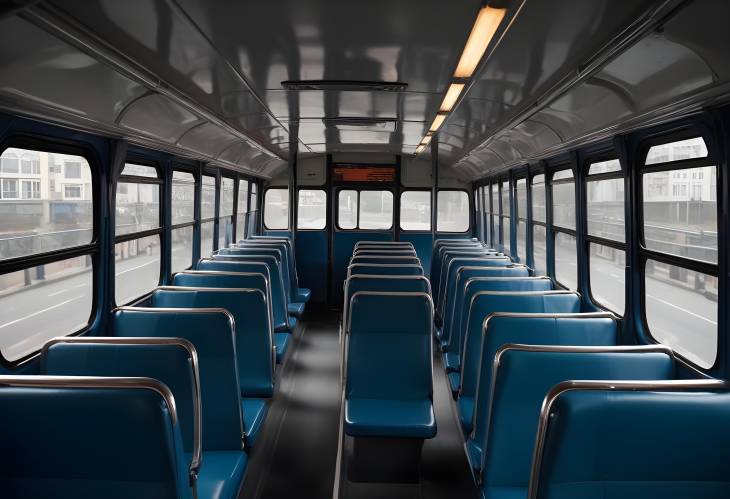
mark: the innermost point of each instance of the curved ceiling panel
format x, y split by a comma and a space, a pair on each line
207, 139
158, 117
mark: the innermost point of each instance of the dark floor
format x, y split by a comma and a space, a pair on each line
296, 453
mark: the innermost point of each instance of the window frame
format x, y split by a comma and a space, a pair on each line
182, 168
263, 201
470, 208
159, 231
326, 201
359, 190
645, 254
519, 216
400, 211
554, 230
92, 249
536, 172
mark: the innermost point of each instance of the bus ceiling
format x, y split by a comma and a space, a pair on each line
247, 84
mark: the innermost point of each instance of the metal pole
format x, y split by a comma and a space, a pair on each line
434, 183
293, 198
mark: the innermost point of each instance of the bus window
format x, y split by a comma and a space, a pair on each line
505, 222
539, 228
242, 209
312, 209
376, 210
225, 217
415, 210
183, 219
276, 209
453, 211
566, 251
521, 197
207, 216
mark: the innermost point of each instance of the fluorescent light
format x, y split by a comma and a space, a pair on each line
426, 140
437, 122
420, 149
451, 95
485, 27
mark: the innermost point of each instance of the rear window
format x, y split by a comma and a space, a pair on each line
453, 211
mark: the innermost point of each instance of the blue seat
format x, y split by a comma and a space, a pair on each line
91, 437
384, 252
436, 257
452, 312
484, 304
252, 352
255, 352
523, 376
383, 269
393, 284
592, 329
299, 294
449, 268
283, 324
211, 332
452, 354
668, 440
172, 361
389, 390
383, 259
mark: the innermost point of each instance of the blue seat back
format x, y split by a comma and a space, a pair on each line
255, 355
279, 252
286, 251
476, 284
391, 358
396, 260
211, 332
384, 269
112, 438
663, 442
437, 263
485, 303
450, 267
384, 252
592, 329
523, 376
279, 299
392, 284
172, 361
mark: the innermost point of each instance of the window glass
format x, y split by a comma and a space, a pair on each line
495, 199
182, 248
605, 205
453, 211
136, 170
564, 205
612, 165
680, 212
676, 151
312, 211
38, 212
522, 241
276, 209
539, 249
136, 268
347, 209
538, 198
50, 300
521, 195
415, 210
566, 260
226, 208
681, 310
206, 239
242, 209
507, 236
137, 207
225, 232
505, 199
376, 209
183, 197
607, 274
563, 174
207, 204
254, 197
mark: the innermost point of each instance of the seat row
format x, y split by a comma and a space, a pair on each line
171, 402
387, 361
513, 347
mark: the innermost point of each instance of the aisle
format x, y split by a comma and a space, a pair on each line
295, 455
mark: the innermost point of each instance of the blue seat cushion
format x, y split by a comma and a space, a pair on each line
296, 309
452, 361
303, 294
221, 474
466, 413
292, 321
281, 340
389, 418
454, 382
254, 415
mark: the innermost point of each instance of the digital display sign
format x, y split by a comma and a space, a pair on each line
363, 174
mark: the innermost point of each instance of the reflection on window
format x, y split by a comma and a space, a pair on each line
538, 198
242, 209
46, 301
521, 195
137, 207
276, 209
453, 211
677, 151
182, 248
522, 241
612, 165
605, 205
564, 205
415, 210
505, 199
680, 212
136, 268
347, 209
207, 205
539, 249
226, 208
681, 310
376, 210
39, 210
206, 239
312, 210
566, 260
225, 232
607, 272
183, 197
